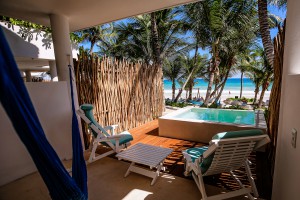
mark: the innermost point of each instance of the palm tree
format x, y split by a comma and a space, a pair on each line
192, 70
243, 66
265, 28
255, 73
152, 38
94, 35
219, 19
171, 71
261, 72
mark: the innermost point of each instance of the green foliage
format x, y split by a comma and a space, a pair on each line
176, 104
243, 99
27, 29
135, 38
236, 107
11, 21
213, 105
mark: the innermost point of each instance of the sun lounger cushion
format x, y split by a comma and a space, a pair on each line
236, 134
126, 137
196, 153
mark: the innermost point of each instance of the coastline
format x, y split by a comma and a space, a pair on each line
225, 94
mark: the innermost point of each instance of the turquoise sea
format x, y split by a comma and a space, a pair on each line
232, 84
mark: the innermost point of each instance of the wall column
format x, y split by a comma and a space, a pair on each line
286, 178
28, 76
63, 55
62, 45
53, 72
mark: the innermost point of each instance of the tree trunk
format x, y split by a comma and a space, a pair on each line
241, 91
155, 39
210, 83
156, 47
188, 78
190, 91
264, 88
173, 89
216, 89
92, 47
223, 85
255, 94
265, 30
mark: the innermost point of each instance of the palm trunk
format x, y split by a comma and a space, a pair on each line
223, 85
155, 39
156, 46
190, 91
216, 89
241, 91
173, 89
188, 78
210, 83
92, 47
256, 92
214, 65
264, 88
265, 30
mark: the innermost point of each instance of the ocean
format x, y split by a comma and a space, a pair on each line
232, 87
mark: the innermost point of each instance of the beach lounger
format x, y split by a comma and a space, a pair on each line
103, 135
227, 152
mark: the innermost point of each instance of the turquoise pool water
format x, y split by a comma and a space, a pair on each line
219, 115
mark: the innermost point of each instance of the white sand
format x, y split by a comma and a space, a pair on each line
225, 94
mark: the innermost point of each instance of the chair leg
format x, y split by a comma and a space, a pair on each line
250, 178
200, 183
240, 183
92, 156
202, 187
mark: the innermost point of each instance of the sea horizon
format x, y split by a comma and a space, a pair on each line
231, 89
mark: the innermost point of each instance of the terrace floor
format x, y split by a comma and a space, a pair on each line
106, 176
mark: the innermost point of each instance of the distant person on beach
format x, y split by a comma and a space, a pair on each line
229, 92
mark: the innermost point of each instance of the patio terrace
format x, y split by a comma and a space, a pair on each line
105, 176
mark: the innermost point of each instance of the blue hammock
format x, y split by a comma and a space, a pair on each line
17, 104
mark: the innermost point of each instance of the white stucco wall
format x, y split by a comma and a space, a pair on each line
52, 104
286, 183
37, 47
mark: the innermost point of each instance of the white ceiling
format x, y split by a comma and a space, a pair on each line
82, 13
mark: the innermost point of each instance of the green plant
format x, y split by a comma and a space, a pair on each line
176, 104
236, 107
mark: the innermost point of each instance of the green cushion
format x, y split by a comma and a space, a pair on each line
196, 153
236, 134
126, 137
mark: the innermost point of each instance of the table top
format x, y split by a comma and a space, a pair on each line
145, 154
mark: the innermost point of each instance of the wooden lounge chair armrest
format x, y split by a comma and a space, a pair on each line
211, 149
111, 128
113, 137
262, 142
187, 156
81, 114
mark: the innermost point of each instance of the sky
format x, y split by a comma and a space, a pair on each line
272, 9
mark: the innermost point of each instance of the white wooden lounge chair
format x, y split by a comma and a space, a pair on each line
103, 135
227, 151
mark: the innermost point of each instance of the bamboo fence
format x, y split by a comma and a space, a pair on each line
274, 105
123, 93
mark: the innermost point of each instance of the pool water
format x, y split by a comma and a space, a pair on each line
219, 115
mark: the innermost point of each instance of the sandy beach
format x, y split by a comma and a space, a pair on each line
226, 94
